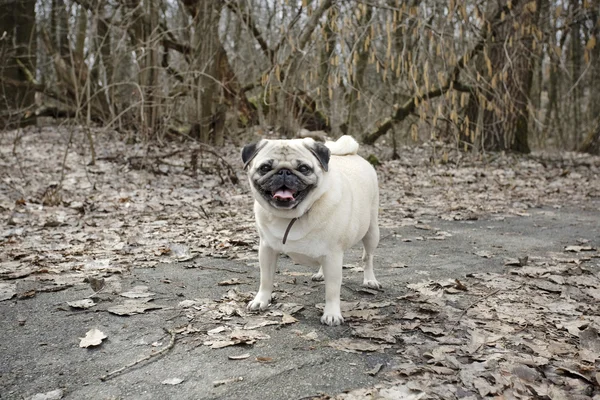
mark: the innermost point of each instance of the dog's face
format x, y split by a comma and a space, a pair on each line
285, 173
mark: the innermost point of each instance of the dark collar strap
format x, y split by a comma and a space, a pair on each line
288, 229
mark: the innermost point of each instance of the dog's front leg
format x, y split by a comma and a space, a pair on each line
332, 269
267, 258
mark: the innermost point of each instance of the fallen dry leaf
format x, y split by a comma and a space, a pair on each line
313, 335
137, 292
52, 395
132, 307
512, 262
379, 334
375, 370
238, 336
84, 304
357, 346
216, 330
232, 281
288, 319
578, 249
226, 381
484, 254
93, 337
172, 381
240, 357
258, 323
590, 343
7, 291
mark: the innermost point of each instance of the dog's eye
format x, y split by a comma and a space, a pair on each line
304, 169
265, 168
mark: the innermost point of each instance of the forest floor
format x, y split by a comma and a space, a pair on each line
129, 279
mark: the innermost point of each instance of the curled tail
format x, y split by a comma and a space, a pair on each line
344, 146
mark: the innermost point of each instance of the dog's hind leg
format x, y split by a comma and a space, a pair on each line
370, 241
318, 276
332, 268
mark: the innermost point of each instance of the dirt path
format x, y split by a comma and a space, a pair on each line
520, 330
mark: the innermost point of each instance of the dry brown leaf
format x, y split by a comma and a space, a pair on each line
232, 281
357, 346
216, 331
258, 323
365, 315
380, 334
288, 319
227, 381
484, 254
56, 394
240, 357
7, 291
93, 337
311, 336
432, 330
375, 370
248, 336
137, 292
590, 344
219, 344
578, 249
132, 307
84, 304
172, 381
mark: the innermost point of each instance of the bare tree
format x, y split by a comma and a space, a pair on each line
18, 52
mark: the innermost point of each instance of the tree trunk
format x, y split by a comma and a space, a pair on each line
18, 52
576, 55
107, 78
592, 143
206, 53
594, 54
59, 27
354, 119
150, 72
505, 76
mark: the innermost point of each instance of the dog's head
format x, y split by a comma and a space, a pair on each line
284, 174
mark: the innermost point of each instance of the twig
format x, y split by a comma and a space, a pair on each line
202, 146
64, 161
470, 306
141, 360
218, 269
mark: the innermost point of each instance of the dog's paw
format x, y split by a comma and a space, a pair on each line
259, 303
317, 277
332, 319
372, 284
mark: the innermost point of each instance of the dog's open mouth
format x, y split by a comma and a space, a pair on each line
284, 194
284, 197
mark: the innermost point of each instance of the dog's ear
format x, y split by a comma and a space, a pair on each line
249, 152
321, 152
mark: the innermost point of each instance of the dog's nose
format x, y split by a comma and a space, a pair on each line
284, 172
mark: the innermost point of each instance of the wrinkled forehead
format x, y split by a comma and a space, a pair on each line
284, 151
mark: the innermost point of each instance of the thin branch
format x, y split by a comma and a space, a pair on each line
409, 106
405, 110
141, 360
303, 39
246, 17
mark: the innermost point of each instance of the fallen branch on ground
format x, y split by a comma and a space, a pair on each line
141, 360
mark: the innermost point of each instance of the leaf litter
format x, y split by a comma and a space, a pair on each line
93, 337
530, 332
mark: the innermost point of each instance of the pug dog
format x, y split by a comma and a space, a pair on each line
312, 202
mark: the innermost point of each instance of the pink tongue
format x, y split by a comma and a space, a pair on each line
283, 194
